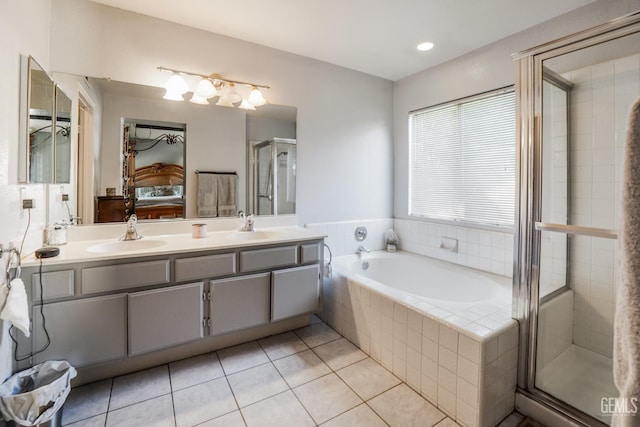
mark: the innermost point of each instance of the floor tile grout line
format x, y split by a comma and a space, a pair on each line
376, 412
106, 418
173, 403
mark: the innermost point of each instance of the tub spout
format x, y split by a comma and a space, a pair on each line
362, 250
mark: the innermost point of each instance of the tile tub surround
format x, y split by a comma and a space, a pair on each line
464, 363
307, 377
490, 251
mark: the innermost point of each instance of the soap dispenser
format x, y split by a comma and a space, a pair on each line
56, 234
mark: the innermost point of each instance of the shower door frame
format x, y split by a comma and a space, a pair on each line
527, 241
255, 194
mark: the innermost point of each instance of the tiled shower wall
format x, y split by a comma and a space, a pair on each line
553, 246
601, 100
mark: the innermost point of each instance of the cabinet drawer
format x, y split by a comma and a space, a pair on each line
309, 253
55, 284
205, 267
118, 277
262, 259
162, 318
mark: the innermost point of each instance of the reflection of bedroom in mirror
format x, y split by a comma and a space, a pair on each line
152, 172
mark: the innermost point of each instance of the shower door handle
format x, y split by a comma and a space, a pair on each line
577, 230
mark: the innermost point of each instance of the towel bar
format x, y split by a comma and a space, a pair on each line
577, 230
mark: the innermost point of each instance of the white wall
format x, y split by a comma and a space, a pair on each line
344, 118
24, 29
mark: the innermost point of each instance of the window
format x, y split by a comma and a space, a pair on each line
462, 160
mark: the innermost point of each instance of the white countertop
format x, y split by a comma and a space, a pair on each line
166, 244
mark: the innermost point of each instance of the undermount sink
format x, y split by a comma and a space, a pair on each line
251, 235
125, 246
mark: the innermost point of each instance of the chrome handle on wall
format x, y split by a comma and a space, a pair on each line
577, 230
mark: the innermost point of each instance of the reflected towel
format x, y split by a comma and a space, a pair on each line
207, 199
16, 308
227, 186
626, 345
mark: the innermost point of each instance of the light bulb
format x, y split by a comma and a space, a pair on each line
246, 105
205, 89
171, 96
224, 102
232, 94
197, 99
423, 47
256, 98
176, 84
176, 87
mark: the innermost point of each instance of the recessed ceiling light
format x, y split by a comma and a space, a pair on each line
425, 46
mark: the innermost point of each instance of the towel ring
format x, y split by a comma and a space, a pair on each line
13, 252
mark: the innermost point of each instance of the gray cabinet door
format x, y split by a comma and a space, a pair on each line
164, 317
295, 291
239, 303
83, 332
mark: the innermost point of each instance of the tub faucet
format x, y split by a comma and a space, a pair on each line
132, 233
362, 250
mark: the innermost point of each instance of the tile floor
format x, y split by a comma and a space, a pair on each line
307, 377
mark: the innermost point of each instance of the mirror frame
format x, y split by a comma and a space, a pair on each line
61, 115
27, 66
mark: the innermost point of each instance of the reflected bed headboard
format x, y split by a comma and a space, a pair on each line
159, 174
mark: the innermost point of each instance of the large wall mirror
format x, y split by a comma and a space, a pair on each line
45, 132
149, 150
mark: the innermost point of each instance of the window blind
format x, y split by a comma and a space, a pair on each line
462, 160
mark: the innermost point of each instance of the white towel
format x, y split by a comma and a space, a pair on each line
626, 345
207, 199
16, 308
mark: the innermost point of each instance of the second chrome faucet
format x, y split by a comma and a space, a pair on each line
132, 232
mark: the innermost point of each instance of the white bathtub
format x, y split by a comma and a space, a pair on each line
411, 278
444, 329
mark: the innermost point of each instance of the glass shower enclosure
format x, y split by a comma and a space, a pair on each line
574, 99
273, 180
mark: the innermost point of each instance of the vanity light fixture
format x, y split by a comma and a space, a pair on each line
230, 92
423, 47
176, 87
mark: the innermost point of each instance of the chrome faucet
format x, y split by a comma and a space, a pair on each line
248, 222
362, 250
132, 233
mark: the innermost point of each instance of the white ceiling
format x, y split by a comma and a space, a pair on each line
373, 36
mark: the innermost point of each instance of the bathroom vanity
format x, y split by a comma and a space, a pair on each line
117, 309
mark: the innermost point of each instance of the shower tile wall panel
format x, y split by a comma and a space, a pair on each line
553, 246
341, 238
471, 379
555, 328
490, 251
601, 100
